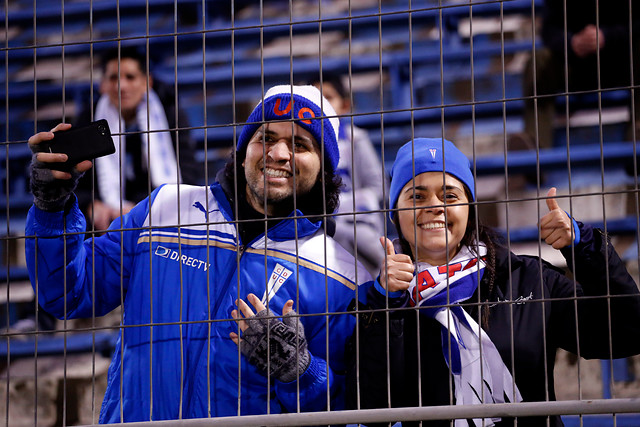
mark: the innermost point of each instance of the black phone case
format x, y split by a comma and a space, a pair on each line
82, 143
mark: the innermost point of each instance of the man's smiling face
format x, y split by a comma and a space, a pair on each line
270, 168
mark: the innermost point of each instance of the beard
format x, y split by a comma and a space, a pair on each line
283, 201
311, 202
322, 198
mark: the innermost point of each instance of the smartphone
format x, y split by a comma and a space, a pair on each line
81, 143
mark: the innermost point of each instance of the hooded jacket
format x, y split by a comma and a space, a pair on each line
533, 305
176, 265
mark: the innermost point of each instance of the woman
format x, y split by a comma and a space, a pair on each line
508, 313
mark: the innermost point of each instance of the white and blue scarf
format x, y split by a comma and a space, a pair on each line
156, 140
480, 375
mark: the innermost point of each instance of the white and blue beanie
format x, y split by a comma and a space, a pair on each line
305, 109
428, 155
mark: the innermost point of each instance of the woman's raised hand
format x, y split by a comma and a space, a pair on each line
397, 269
556, 225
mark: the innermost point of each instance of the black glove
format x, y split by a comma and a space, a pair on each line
50, 194
287, 351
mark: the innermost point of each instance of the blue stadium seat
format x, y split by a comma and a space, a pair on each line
102, 342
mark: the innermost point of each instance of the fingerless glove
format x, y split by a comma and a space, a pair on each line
285, 355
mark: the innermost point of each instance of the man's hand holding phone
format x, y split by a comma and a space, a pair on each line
53, 180
47, 157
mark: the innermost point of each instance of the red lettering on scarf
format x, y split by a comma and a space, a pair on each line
451, 268
471, 263
277, 111
306, 110
424, 280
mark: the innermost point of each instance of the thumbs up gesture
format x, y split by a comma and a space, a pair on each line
397, 269
555, 226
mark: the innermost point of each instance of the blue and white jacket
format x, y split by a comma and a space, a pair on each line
175, 262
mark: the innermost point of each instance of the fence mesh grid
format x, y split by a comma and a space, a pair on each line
537, 94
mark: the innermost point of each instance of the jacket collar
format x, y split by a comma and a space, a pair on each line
282, 231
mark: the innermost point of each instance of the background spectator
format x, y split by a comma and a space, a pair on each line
363, 181
147, 150
597, 37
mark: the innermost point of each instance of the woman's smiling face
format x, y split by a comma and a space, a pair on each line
430, 227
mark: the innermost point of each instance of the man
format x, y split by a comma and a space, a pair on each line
598, 55
142, 111
189, 257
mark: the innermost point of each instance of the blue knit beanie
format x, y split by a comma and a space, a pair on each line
306, 108
428, 155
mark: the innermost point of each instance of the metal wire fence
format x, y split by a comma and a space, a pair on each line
137, 323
